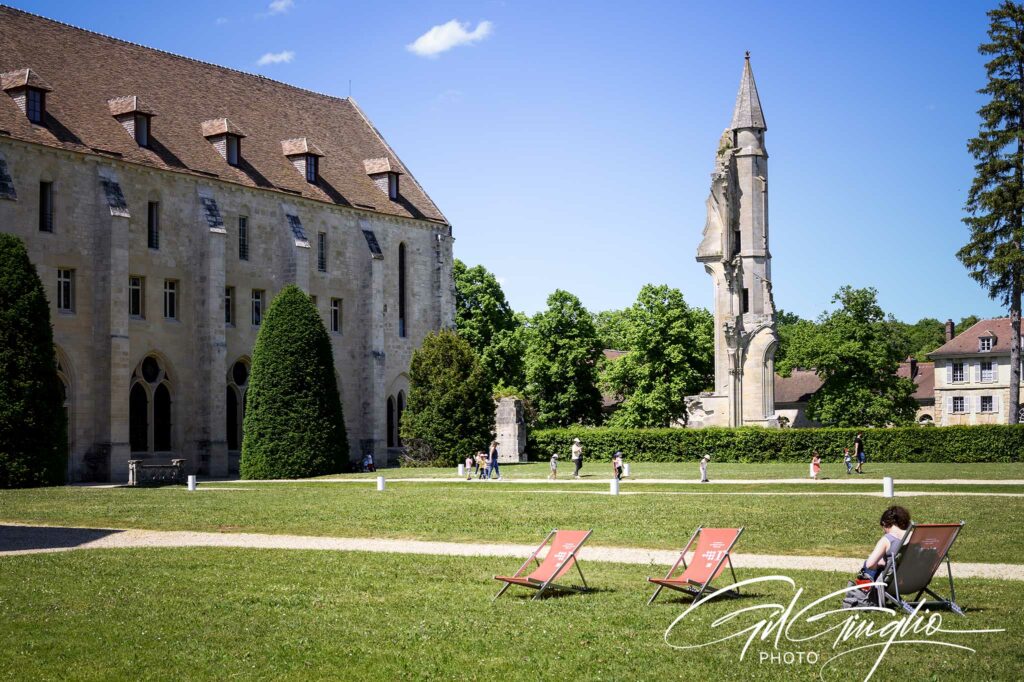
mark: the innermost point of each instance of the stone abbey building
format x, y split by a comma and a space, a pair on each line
165, 201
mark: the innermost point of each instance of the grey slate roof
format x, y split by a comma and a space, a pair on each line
748, 112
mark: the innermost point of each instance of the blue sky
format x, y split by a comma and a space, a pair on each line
570, 144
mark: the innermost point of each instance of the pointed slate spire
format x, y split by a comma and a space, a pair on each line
748, 112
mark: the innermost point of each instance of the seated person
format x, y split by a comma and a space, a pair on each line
895, 521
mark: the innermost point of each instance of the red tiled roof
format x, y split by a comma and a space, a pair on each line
966, 342
924, 379
87, 69
798, 387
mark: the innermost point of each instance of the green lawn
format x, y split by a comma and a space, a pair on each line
822, 525
160, 614
832, 468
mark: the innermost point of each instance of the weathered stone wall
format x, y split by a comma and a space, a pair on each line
510, 430
103, 345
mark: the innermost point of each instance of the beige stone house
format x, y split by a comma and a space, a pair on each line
165, 201
972, 374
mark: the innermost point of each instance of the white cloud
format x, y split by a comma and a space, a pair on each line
284, 57
280, 6
444, 37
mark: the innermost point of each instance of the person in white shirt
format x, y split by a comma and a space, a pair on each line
577, 457
704, 468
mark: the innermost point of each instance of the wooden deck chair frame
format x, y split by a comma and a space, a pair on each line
706, 586
541, 587
891, 579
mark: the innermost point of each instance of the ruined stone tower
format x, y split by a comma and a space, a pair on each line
734, 251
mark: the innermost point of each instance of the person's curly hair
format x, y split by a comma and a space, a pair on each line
896, 516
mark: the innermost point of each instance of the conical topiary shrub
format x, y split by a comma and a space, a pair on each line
33, 429
294, 426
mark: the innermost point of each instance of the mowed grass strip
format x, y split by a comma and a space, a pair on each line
823, 525
832, 467
161, 614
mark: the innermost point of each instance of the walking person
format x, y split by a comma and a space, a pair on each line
704, 468
494, 461
577, 457
858, 452
470, 460
617, 465
815, 465
554, 467
848, 461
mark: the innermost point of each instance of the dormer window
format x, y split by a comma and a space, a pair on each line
985, 344
305, 156
28, 91
234, 146
35, 104
226, 138
142, 130
134, 116
384, 174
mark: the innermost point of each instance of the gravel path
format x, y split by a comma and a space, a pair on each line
18, 539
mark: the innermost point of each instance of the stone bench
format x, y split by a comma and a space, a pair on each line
140, 473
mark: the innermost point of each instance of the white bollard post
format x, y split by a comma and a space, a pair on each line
615, 486
191, 482
625, 468
462, 470
380, 483
887, 487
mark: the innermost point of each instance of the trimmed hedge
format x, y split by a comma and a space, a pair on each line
990, 443
294, 425
33, 430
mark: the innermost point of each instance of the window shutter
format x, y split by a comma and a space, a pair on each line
997, 404
977, 372
949, 402
949, 372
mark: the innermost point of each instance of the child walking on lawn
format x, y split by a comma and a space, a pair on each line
554, 466
469, 466
848, 461
815, 465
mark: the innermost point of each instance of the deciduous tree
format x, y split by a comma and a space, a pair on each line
484, 318
671, 356
855, 350
561, 363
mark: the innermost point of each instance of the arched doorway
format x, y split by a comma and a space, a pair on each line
234, 412
391, 422
150, 410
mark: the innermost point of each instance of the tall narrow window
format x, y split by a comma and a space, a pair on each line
153, 223
311, 169
137, 296
65, 290
392, 186
321, 251
336, 312
243, 237
257, 307
35, 104
46, 207
234, 144
142, 130
746, 300
171, 299
312, 297
229, 306
401, 290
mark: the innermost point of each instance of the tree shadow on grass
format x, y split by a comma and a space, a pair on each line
21, 538
553, 593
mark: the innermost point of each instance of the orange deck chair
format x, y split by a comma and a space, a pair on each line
925, 546
560, 558
708, 561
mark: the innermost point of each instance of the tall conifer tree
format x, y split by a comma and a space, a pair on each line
994, 255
